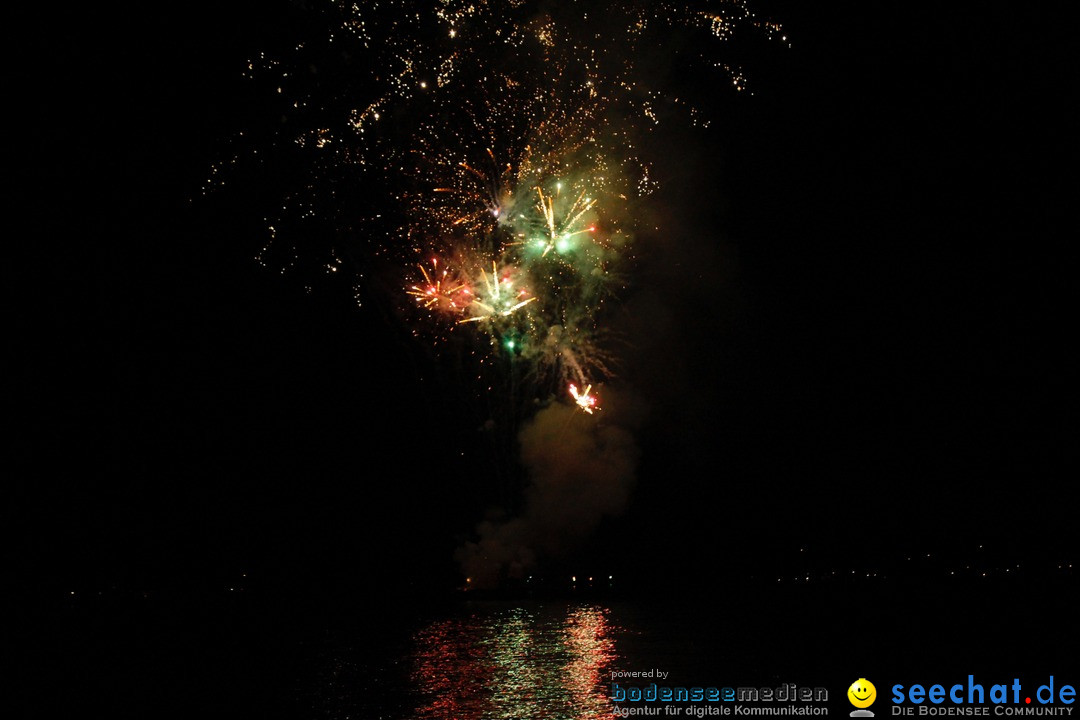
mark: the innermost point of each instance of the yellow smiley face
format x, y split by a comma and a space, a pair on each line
862, 693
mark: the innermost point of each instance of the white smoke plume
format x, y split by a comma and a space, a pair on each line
581, 468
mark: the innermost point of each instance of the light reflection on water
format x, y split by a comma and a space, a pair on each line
515, 663
480, 661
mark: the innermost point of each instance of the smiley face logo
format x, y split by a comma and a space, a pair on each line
862, 693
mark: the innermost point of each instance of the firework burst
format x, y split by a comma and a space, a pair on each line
501, 140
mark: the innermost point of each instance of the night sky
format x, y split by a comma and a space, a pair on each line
851, 346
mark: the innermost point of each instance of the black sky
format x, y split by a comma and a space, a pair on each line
883, 366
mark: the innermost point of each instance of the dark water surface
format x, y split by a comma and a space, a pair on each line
480, 659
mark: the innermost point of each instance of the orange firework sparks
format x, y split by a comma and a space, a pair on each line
584, 399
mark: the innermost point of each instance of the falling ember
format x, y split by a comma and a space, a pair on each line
584, 400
